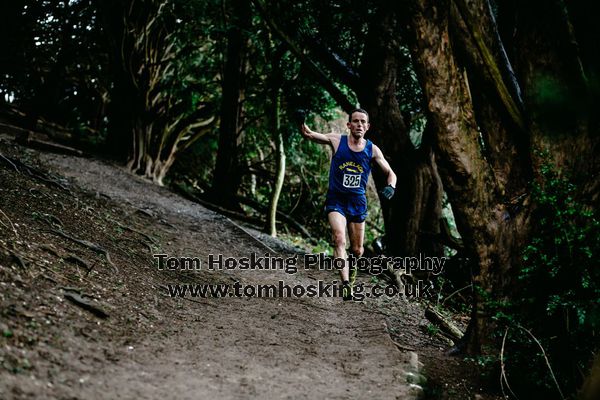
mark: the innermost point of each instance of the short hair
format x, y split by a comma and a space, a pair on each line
360, 110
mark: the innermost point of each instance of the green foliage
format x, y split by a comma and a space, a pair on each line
560, 259
432, 330
55, 64
560, 104
483, 361
559, 287
173, 52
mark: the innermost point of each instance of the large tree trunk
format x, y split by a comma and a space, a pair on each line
481, 217
412, 218
486, 139
227, 178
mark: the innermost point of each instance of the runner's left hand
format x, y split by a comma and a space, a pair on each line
388, 192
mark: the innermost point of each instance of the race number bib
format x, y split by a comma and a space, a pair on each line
351, 181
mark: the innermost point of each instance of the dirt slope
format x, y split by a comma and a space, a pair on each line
151, 345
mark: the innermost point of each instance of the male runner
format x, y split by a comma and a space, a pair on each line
346, 203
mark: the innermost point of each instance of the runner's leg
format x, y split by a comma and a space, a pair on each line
338, 232
356, 232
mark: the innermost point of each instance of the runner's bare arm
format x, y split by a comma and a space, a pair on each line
384, 165
332, 139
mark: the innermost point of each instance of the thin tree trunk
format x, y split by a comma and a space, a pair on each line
279, 163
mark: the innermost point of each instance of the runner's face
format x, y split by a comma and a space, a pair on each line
358, 125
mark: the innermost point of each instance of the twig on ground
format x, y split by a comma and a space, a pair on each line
503, 379
545, 357
139, 241
170, 225
144, 212
445, 325
53, 219
32, 192
8, 161
456, 292
10, 222
49, 278
49, 249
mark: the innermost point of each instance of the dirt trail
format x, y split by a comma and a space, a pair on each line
228, 348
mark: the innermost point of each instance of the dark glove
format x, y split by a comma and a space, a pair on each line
300, 116
388, 192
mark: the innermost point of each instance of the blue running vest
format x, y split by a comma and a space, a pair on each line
350, 170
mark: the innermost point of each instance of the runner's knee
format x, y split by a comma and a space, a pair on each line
339, 240
357, 250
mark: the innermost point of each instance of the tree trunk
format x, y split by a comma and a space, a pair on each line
564, 123
148, 126
227, 177
468, 180
486, 139
412, 217
123, 99
279, 164
591, 386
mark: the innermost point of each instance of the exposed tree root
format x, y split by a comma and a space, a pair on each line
127, 228
21, 167
80, 262
52, 220
86, 305
89, 245
18, 260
